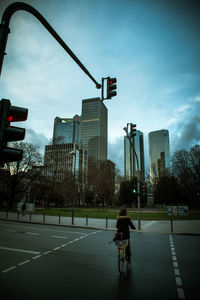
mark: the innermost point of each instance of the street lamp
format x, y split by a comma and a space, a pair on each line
138, 174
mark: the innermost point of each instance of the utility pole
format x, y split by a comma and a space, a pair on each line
129, 135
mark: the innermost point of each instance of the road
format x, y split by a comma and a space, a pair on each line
49, 262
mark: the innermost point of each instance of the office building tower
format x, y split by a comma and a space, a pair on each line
93, 131
130, 162
66, 130
159, 153
61, 160
62, 157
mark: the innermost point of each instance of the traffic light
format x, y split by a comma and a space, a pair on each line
8, 133
135, 189
111, 87
132, 130
142, 190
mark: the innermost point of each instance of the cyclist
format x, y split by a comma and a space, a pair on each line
123, 224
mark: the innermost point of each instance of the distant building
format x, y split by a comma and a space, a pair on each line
60, 160
66, 130
93, 131
130, 163
159, 152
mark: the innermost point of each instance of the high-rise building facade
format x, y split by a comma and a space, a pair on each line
159, 152
60, 160
93, 130
130, 162
66, 130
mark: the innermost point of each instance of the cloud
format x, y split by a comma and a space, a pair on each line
36, 139
187, 126
116, 153
178, 113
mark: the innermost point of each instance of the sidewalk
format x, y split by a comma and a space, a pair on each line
178, 227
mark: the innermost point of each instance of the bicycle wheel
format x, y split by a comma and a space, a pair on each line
121, 260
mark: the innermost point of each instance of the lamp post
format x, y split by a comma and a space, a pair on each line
73, 171
138, 176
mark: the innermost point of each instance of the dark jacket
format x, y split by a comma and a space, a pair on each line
123, 223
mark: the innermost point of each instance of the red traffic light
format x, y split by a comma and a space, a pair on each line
17, 114
111, 87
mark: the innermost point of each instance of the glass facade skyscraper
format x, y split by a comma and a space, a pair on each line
159, 152
93, 130
66, 130
130, 163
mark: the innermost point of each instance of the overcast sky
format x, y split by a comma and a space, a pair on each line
152, 47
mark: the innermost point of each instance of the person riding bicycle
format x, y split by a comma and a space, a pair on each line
123, 224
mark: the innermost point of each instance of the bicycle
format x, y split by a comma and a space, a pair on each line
122, 258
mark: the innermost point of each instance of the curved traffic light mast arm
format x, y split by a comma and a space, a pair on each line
4, 31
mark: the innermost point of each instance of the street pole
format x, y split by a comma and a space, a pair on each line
4, 31
138, 177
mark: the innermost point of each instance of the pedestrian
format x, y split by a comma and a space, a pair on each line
23, 208
123, 224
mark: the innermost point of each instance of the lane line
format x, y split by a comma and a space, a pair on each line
56, 248
45, 253
58, 236
24, 262
19, 250
35, 257
9, 269
32, 233
179, 285
10, 230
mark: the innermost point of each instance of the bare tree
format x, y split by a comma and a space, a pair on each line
19, 176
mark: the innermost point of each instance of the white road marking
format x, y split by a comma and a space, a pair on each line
24, 262
35, 257
9, 269
181, 294
39, 255
174, 258
177, 272
32, 233
56, 248
19, 250
10, 230
59, 237
178, 281
47, 252
179, 284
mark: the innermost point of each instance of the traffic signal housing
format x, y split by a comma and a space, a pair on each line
132, 130
8, 133
111, 87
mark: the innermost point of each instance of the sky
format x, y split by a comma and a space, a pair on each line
152, 47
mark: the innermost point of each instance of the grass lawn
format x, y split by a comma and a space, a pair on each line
111, 214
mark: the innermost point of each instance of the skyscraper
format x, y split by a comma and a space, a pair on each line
93, 130
63, 155
130, 163
66, 130
159, 152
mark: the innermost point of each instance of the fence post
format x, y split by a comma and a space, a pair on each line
86, 220
171, 225
18, 215
7, 215
59, 218
44, 217
106, 221
30, 216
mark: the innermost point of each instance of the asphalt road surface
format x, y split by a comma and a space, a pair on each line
49, 263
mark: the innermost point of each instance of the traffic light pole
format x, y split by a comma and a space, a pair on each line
138, 178
4, 31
